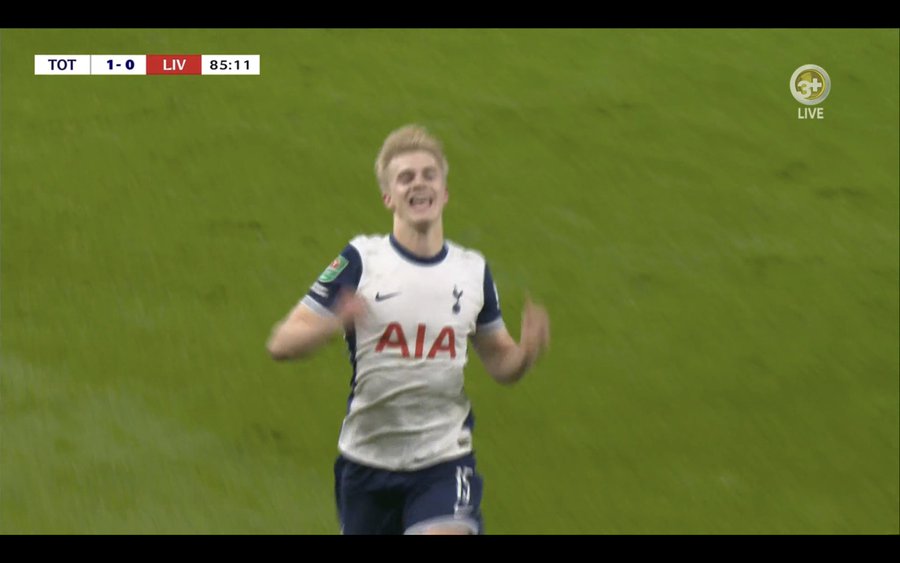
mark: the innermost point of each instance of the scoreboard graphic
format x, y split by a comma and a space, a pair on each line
142, 65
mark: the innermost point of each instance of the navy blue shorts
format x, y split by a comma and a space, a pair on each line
378, 501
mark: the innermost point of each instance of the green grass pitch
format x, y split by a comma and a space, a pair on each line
722, 277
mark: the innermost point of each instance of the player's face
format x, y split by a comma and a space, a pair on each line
417, 192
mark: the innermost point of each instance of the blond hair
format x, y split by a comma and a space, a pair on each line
409, 138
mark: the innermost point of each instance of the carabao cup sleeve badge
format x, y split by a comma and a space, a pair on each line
333, 269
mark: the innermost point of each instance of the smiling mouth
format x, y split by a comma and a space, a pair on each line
420, 202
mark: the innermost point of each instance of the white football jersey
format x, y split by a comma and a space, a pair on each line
407, 408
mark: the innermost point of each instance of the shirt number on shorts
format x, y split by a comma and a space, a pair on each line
463, 489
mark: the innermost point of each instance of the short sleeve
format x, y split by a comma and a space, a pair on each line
490, 317
344, 272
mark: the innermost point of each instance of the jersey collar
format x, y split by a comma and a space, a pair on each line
436, 259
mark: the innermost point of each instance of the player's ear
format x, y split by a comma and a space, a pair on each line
388, 202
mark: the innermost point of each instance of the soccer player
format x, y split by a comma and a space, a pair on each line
407, 303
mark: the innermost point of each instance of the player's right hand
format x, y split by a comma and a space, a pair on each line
349, 307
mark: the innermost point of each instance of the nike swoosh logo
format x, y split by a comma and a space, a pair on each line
380, 297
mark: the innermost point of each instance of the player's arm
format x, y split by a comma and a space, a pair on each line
504, 359
304, 330
330, 306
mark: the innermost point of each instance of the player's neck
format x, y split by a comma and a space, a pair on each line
425, 243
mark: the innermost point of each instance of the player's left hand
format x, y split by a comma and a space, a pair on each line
535, 330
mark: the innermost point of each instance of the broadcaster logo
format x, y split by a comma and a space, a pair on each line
810, 85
